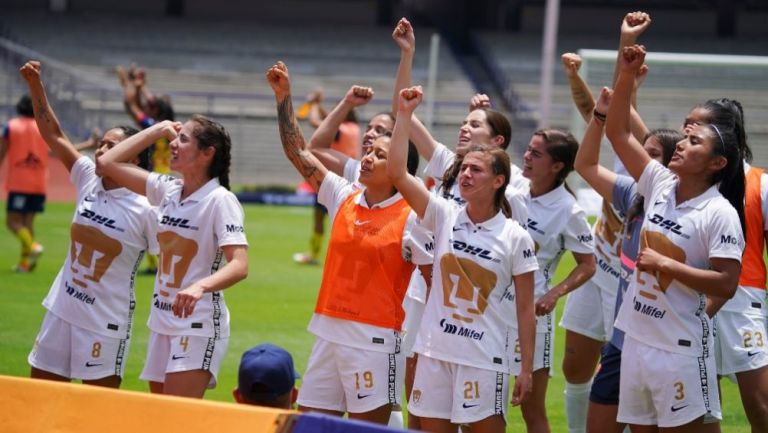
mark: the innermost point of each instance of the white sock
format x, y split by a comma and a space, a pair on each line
576, 403
396, 419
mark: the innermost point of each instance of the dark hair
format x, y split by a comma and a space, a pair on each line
668, 139
731, 177
164, 108
351, 116
499, 125
413, 159
210, 133
729, 111
562, 147
145, 155
24, 106
500, 165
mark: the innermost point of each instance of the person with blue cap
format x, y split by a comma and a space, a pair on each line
267, 378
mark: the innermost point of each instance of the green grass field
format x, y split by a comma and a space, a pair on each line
273, 305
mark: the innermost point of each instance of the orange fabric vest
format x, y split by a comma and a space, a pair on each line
753, 271
348, 141
365, 276
27, 157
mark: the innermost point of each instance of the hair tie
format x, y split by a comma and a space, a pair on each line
718, 133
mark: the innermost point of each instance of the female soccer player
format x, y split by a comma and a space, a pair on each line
86, 331
691, 243
482, 125
200, 223
740, 347
482, 285
355, 366
620, 192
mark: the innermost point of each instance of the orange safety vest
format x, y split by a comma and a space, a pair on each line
753, 271
365, 276
27, 157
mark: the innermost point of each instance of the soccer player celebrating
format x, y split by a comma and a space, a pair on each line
86, 331
358, 315
200, 223
482, 285
691, 243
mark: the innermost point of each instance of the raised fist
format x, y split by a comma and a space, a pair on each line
30, 71
479, 100
410, 98
571, 63
279, 80
632, 58
635, 23
403, 35
358, 95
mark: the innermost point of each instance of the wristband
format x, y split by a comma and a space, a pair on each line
598, 115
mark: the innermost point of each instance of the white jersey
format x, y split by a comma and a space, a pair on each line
109, 233
333, 192
557, 224
191, 233
442, 160
607, 233
472, 305
658, 310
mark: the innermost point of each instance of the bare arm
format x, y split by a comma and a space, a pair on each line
115, 165
46, 120
290, 134
325, 133
234, 271
720, 281
632, 26
580, 93
587, 162
414, 192
526, 325
585, 268
405, 38
617, 126
316, 110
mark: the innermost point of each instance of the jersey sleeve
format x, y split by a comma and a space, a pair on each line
82, 173
150, 230
577, 235
523, 257
352, 170
724, 236
229, 222
417, 241
332, 192
437, 213
624, 191
516, 199
157, 186
442, 158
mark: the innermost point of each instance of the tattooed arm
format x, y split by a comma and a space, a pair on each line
290, 134
49, 126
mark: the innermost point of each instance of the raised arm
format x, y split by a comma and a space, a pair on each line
316, 110
320, 143
587, 162
632, 26
414, 192
290, 134
114, 164
47, 123
580, 93
617, 125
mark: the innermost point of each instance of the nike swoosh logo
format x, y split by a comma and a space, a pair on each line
675, 409
89, 199
175, 357
658, 203
361, 223
467, 406
360, 397
92, 364
456, 229
518, 360
752, 353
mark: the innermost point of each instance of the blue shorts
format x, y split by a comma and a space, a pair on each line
605, 386
25, 203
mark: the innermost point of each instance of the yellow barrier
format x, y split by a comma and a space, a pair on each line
32, 406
